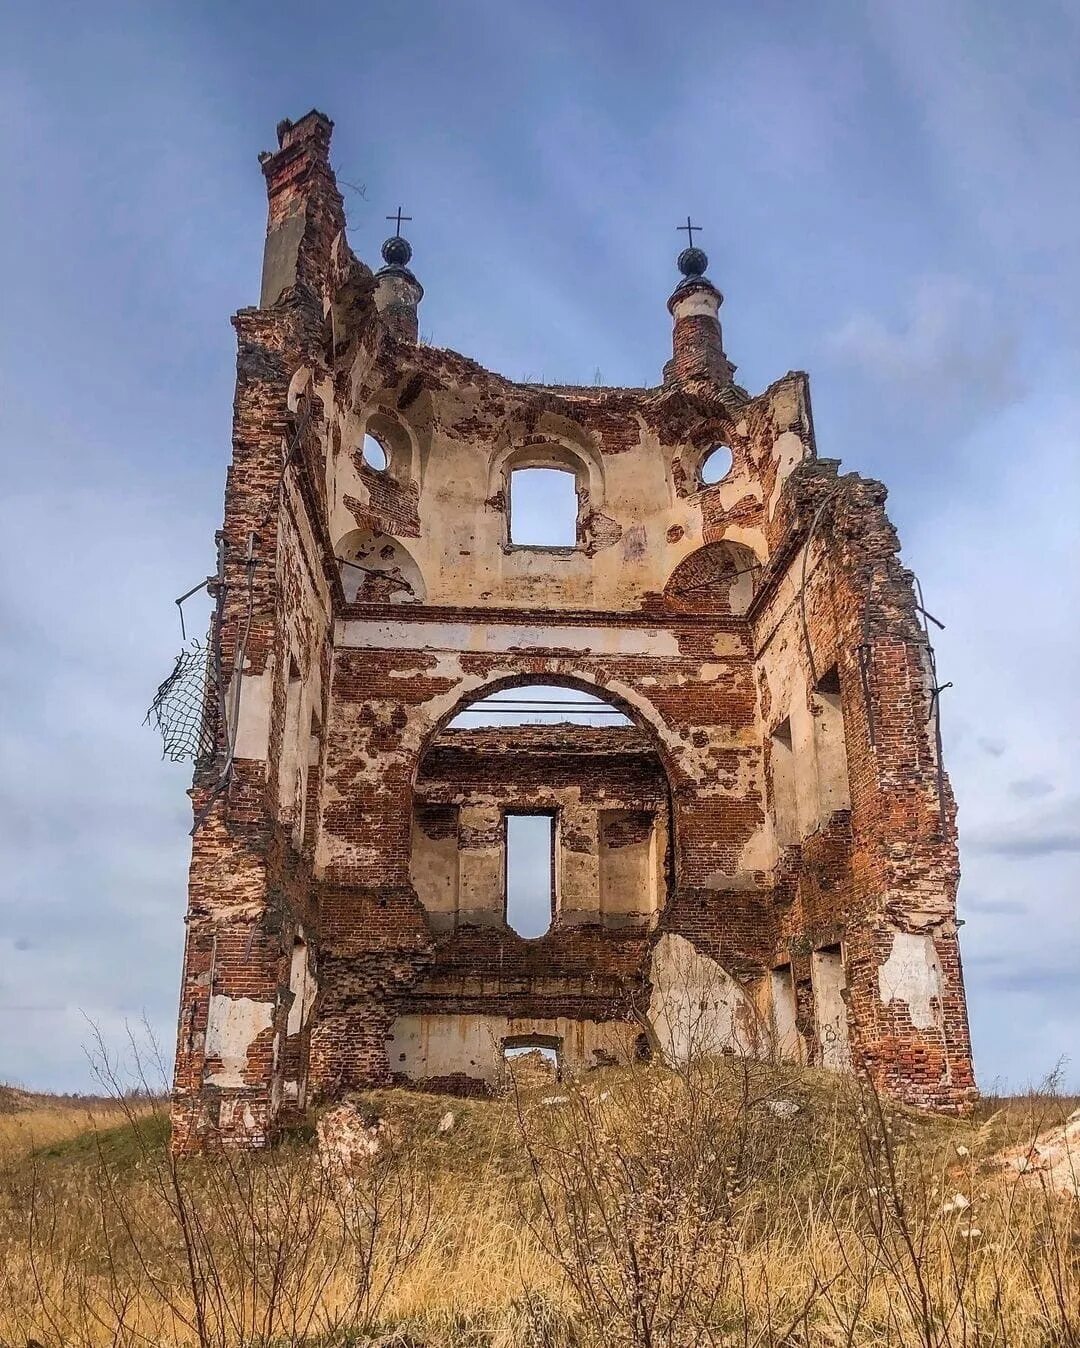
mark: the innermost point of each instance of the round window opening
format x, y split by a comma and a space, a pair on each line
716, 465
374, 455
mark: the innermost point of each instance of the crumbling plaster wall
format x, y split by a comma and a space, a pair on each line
643, 509
837, 600
696, 1007
446, 1048
249, 884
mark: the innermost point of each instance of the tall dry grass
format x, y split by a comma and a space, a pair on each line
37, 1122
730, 1203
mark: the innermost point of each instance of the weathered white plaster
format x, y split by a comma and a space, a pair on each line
303, 986
443, 1045
912, 974
233, 1024
787, 1042
700, 302
227, 1116
253, 715
830, 980
788, 450
696, 1006
357, 633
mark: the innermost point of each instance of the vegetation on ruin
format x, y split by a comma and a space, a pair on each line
728, 1203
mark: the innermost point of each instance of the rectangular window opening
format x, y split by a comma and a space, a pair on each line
531, 1061
543, 508
530, 872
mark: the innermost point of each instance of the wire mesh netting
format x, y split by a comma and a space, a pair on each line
183, 707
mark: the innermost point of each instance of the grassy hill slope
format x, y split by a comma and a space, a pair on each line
734, 1203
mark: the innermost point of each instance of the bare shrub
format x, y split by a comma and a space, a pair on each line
234, 1248
704, 1206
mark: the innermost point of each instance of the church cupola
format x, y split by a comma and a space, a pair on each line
697, 341
397, 291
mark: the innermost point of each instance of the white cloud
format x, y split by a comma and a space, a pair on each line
950, 348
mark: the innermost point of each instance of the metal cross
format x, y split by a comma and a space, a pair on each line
689, 230
399, 217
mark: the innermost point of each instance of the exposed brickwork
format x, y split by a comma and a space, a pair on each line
777, 799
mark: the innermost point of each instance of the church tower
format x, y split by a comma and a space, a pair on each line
743, 807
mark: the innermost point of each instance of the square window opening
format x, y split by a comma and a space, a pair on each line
543, 508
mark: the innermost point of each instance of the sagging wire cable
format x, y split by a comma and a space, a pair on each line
810, 534
934, 710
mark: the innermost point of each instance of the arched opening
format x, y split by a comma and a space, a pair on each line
385, 444
538, 807
538, 704
715, 465
550, 492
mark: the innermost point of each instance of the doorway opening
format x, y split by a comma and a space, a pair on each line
531, 1062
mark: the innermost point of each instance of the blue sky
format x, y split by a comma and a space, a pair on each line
890, 195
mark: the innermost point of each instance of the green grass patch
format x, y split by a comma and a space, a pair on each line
122, 1147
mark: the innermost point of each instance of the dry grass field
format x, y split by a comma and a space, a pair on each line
732, 1203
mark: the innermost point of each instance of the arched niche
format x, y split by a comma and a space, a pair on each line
394, 437
378, 569
630, 701
718, 578
715, 458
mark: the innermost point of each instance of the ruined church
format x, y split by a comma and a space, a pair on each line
752, 841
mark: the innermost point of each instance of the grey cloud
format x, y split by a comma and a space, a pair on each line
951, 347
1031, 788
1025, 841
1055, 829
995, 748
1033, 979
975, 904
